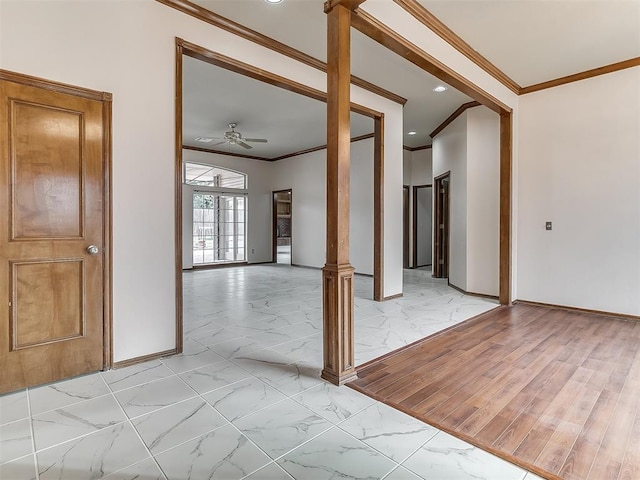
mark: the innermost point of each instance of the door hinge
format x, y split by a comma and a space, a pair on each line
442, 225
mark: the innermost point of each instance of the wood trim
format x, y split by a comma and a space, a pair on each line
201, 53
378, 210
107, 119
350, 4
472, 294
144, 358
613, 67
178, 199
414, 224
274, 225
437, 269
382, 34
54, 86
626, 316
274, 159
452, 117
231, 64
506, 139
318, 148
415, 149
230, 26
229, 154
393, 297
424, 16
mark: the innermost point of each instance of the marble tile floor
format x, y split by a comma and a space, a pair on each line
245, 399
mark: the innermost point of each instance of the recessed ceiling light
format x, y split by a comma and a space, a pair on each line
440, 89
273, 1
411, 133
204, 139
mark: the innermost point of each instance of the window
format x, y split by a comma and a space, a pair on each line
219, 213
210, 176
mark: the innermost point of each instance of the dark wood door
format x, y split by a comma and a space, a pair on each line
51, 235
441, 227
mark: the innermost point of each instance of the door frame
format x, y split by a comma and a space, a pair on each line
438, 219
274, 224
388, 38
107, 212
415, 222
406, 217
183, 47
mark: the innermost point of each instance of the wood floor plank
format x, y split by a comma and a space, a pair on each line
554, 390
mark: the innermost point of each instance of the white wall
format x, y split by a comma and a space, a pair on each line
450, 155
580, 169
400, 21
305, 175
422, 167
128, 48
259, 205
483, 201
418, 170
470, 149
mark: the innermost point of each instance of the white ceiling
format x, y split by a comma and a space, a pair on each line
214, 97
534, 41
530, 40
302, 25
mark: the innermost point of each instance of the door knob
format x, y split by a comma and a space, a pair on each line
92, 250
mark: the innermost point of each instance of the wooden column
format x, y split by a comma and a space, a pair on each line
337, 274
505, 207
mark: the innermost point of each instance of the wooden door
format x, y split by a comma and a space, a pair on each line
441, 227
52, 204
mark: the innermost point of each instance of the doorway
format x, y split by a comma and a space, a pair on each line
441, 228
282, 226
422, 226
54, 231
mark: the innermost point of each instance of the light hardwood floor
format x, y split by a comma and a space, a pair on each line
555, 391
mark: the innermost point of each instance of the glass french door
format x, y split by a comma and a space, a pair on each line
218, 228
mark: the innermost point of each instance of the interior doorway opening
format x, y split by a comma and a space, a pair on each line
282, 231
422, 226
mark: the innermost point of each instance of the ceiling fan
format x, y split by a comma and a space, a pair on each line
234, 137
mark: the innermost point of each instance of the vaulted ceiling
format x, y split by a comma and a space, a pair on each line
531, 41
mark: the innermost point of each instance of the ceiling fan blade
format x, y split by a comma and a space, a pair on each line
242, 144
256, 140
219, 143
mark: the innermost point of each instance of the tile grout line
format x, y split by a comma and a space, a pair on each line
136, 432
33, 436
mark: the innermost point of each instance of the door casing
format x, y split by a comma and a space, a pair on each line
106, 240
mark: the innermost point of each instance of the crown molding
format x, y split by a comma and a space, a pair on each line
452, 117
429, 20
281, 157
189, 8
416, 149
594, 72
222, 152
